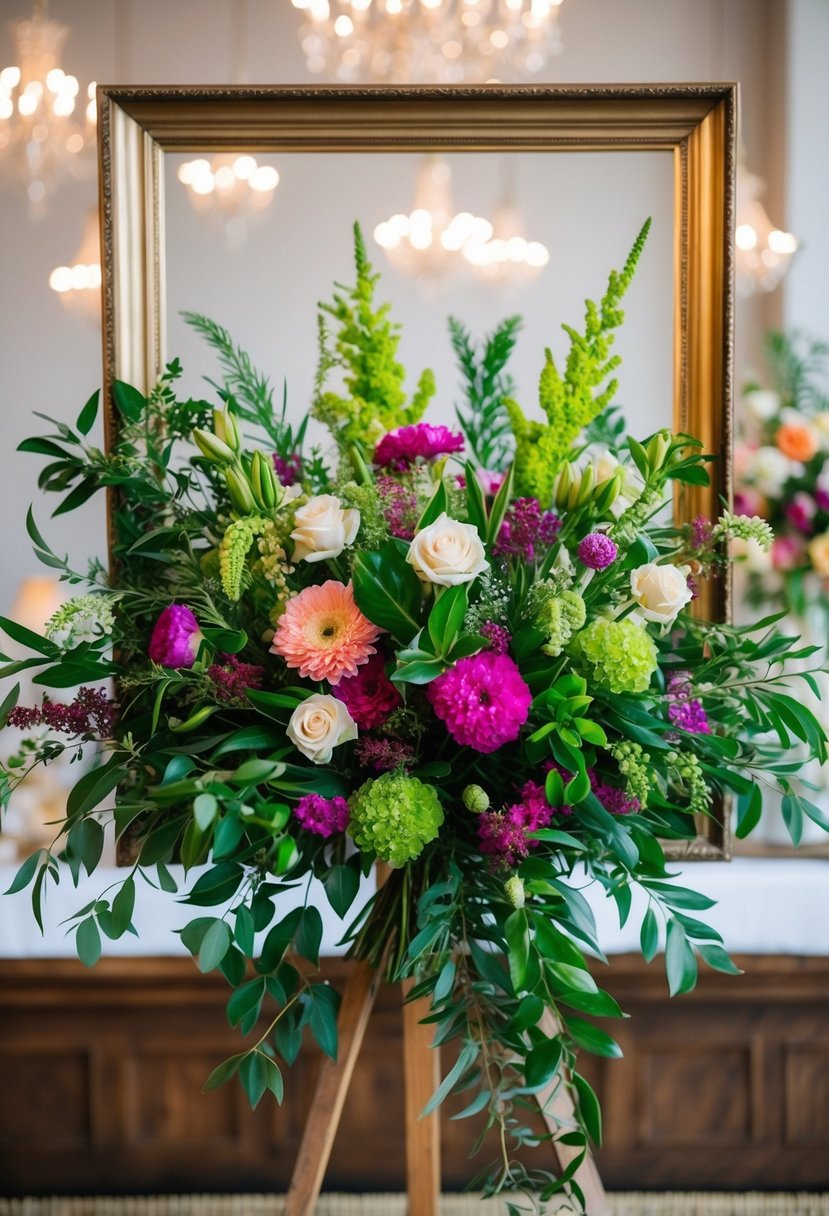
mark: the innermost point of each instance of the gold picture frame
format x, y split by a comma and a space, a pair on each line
694, 123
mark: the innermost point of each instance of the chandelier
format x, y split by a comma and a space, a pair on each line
428, 240
764, 252
230, 187
42, 135
78, 286
440, 41
506, 254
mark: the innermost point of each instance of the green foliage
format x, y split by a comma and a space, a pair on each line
366, 350
570, 400
797, 363
486, 383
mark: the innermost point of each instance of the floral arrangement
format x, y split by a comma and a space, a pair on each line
782, 471
483, 671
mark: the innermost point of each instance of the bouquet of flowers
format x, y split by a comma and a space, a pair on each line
782, 470
483, 672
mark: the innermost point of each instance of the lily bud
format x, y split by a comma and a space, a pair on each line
565, 480
657, 449
263, 481
213, 448
240, 492
607, 492
585, 488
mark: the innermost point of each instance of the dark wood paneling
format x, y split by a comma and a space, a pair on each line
101, 1076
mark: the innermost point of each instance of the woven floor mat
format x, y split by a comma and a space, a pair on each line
656, 1204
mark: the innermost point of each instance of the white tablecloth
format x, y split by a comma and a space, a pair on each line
764, 906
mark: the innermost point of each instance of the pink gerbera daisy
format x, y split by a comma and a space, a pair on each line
324, 634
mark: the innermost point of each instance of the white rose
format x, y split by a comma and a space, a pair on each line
761, 404
660, 591
323, 528
448, 552
769, 469
319, 725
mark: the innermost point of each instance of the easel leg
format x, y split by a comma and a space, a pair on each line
421, 1068
330, 1092
560, 1109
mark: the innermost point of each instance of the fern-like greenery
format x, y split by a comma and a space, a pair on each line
486, 383
797, 362
571, 401
251, 392
365, 347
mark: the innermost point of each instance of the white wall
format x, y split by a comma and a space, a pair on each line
49, 359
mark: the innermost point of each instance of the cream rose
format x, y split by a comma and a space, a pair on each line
323, 528
448, 552
819, 553
660, 591
319, 725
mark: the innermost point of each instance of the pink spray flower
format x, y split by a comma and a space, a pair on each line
398, 449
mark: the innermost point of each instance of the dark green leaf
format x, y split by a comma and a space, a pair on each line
516, 931
467, 1057
128, 401
27, 637
215, 945
542, 1063
323, 1019
309, 935
25, 874
594, 1040
649, 936
388, 591
88, 942
341, 886
245, 1000
88, 414
217, 886
245, 930
123, 905
591, 1112
222, 1074
680, 963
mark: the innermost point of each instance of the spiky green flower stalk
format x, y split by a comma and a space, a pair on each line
571, 401
233, 550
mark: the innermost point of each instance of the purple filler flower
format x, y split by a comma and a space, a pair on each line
597, 551
175, 638
526, 529
288, 468
398, 449
498, 637
322, 816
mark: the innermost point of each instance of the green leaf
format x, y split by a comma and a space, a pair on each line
123, 905
417, 672
593, 1039
649, 936
228, 641
250, 738
341, 886
25, 874
309, 935
388, 591
467, 1057
255, 771
93, 787
447, 616
323, 1019
445, 982
792, 811
9, 702
749, 810
128, 401
30, 639
499, 506
222, 1074
542, 1063
88, 942
680, 962
205, 810
41, 446
245, 930
214, 946
475, 502
165, 879
245, 1000
217, 886
160, 841
517, 933
717, 959
589, 1108
87, 416
437, 505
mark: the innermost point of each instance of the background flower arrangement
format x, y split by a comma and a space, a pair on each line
482, 672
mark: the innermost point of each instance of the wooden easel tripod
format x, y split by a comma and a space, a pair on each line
421, 1070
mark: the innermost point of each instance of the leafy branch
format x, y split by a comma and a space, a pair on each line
486, 383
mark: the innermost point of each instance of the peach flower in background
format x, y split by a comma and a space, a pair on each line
324, 634
819, 554
797, 440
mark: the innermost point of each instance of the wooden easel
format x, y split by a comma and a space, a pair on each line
421, 1072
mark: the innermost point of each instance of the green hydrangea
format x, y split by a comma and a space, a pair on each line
560, 616
373, 527
394, 816
634, 765
621, 654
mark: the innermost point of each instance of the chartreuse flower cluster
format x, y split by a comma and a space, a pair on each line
484, 675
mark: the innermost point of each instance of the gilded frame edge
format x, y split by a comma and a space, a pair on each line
695, 122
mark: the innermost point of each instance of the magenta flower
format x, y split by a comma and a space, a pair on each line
801, 512
684, 710
398, 449
490, 482
400, 506
233, 678
175, 638
505, 835
498, 637
322, 816
597, 551
526, 529
90, 713
821, 500
288, 469
369, 696
787, 552
483, 701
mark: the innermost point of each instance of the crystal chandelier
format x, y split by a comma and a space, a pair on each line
764, 252
440, 41
78, 285
230, 187
42, 135
428, 240
506, 255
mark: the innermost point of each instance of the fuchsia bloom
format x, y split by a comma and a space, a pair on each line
787, 552
369, 696
821, 500
597, 551
398, 449
288, 469
324, 634
498, 637
483, 701
322, 816
611, 797
175, 638
801, 512
233, 678
400, 506
684, 710
490, 482
90, 713
526, 529
504, 835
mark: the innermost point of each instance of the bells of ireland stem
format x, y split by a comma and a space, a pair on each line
263, 481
